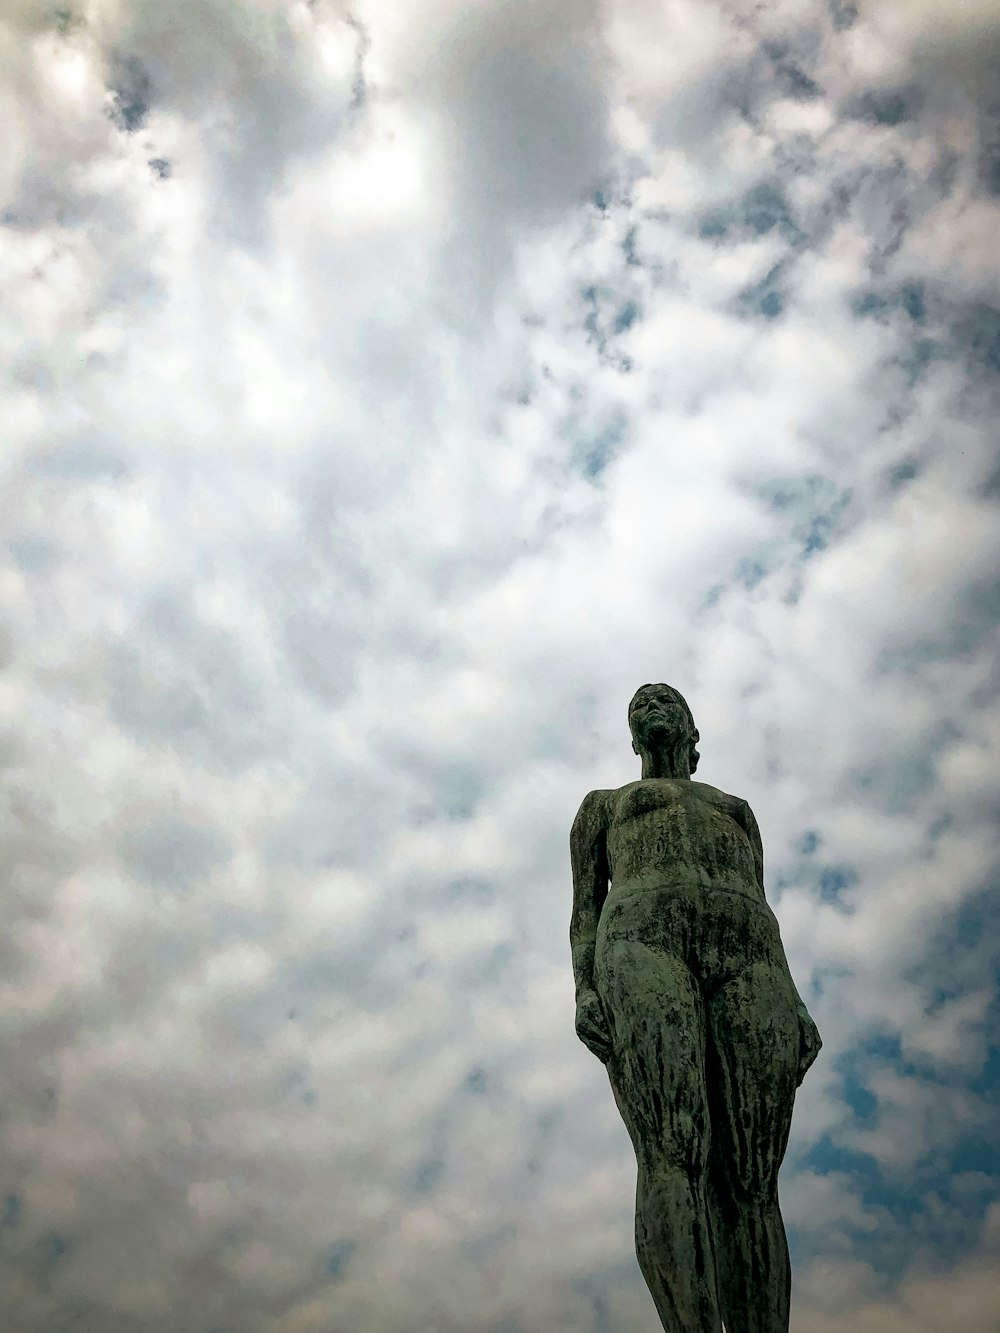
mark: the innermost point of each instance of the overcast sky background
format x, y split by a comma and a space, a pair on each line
388, 391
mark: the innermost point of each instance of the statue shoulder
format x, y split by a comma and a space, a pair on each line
592, 815
720, 797
744, 816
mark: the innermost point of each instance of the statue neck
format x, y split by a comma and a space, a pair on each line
672, 763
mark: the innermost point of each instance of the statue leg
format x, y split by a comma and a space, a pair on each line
658, 1077
752, 1061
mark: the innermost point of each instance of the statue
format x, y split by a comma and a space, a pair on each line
683, 992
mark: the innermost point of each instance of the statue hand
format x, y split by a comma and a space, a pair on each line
810, 1043
591, 1026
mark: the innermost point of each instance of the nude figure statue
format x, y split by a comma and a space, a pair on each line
684, 993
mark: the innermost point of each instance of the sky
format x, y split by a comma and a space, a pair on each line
388, 391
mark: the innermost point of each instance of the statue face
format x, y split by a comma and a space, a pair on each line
657, 716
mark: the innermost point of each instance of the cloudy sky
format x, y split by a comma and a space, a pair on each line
389, 390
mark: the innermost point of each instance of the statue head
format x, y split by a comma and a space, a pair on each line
662, 725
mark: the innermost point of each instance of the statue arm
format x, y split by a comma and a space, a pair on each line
749, 822
589, 861
589, 857
810, 1040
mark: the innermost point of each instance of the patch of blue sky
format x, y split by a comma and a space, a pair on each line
967, 958
238, 923
302, 984
171, 853
599, 1301
829, 883
987, 1081
977, 335
823, 978
713, 596
943, 1197
298, 990
373, 967
31, 372
990, 488
592, 450
843, 14
809, 842
861, 1100
176, 952
131, 91
359, 84
899, 780
919, 355
978, 918
944, 1215
811, 509
834, 881
815, 534
476, 1081
491, 970
903, 472
625, 317
34, 555
339, 1257
803, 497
966, 954
973, 339
980, 1155
883, 106
472, 889
454, 789
297, 1088
883, 303
84, 458
751, 571
207, 705
324, 830
789, 75
765, 298
544, 1127
972, 618
715, 225
609, 315
54, 1247
597, 1286
942, 1172
763, 209
13, 1208
826, 1159
944, 1212
428, 1176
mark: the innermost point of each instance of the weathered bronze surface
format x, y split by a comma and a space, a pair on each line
683, 992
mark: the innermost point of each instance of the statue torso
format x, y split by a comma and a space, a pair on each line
667, 831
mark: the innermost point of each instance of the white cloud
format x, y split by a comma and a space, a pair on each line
462, 369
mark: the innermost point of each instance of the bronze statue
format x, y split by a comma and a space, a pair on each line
683, 991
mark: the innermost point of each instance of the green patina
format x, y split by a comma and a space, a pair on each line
683, 992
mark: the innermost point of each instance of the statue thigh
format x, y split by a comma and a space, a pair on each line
704, 1075
751, 1063
657, 1072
